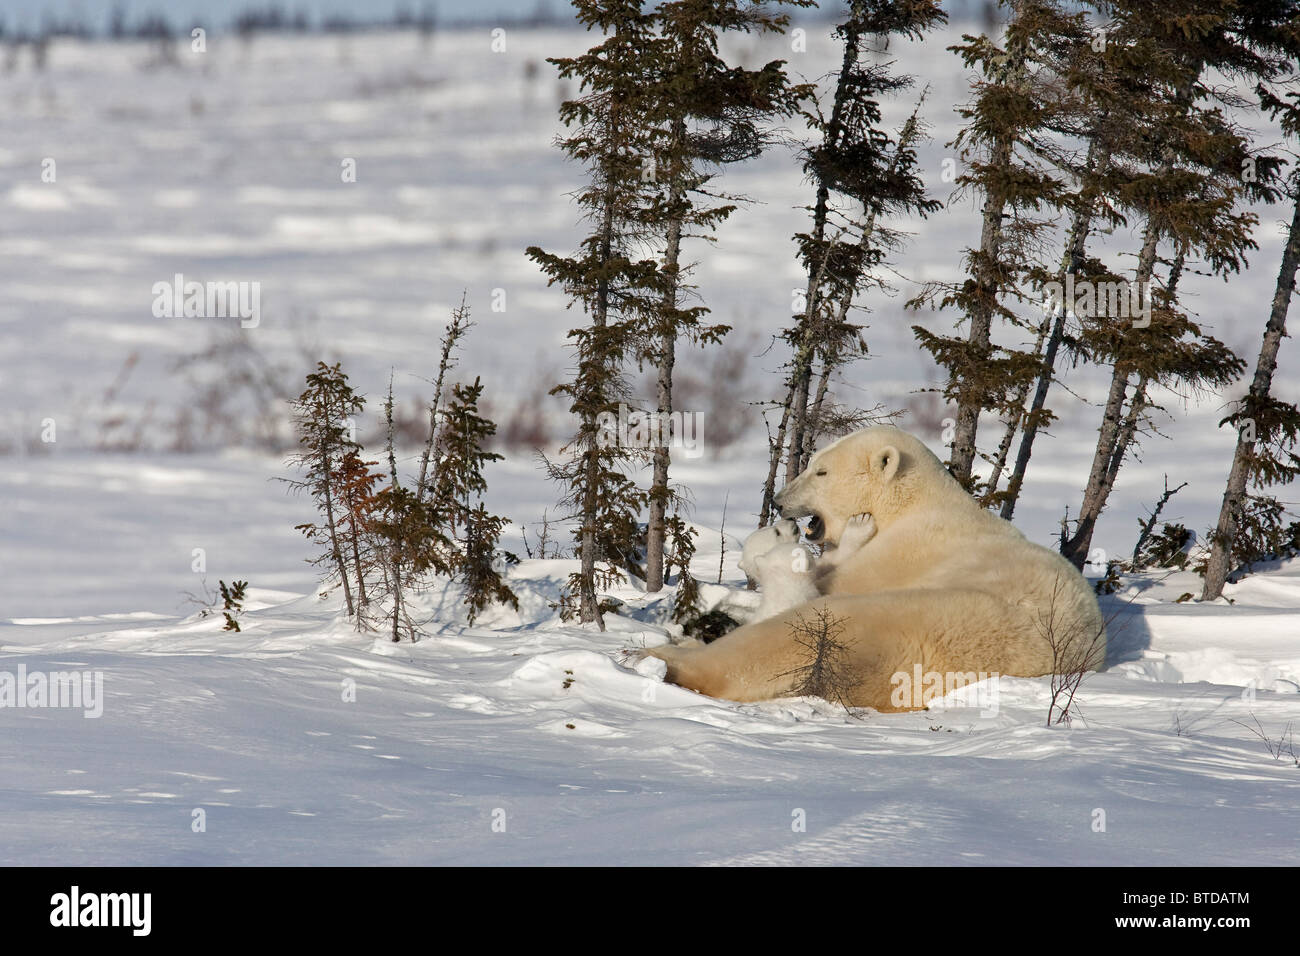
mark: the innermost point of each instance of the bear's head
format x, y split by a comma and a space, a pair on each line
764, 541
881, 470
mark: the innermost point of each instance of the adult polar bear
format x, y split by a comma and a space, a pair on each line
945, 586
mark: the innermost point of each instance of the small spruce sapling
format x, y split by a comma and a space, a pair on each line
826, 673
1157, 550
1167, 549
681, 538
232, 602
456, 328
336, 478
408, 540
457, 495
701, 625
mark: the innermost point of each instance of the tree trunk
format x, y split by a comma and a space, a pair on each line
395, 556
970, 400
961, 459
1033, 415
654, 560
1076, 548
1124, 437
589, 606
801, 364
354, 526
453, 332
812, 430
1108, 436
1093, 505
1080, 228
805, 351
1234, 496
1013, 424
339, 562
777, 445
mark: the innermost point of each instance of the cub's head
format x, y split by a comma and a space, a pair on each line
766, 540
881, 470
783, 566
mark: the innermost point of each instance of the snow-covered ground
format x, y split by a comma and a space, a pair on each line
303, 742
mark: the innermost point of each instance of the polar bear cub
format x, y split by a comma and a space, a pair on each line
787, 570
781, 564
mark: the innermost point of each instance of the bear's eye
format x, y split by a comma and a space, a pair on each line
821, 473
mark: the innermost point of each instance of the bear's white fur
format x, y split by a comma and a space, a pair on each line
945, 586
787, 570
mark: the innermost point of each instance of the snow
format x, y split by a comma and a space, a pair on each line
306, 743
254, 727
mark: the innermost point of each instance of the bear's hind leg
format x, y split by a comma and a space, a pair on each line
689, 667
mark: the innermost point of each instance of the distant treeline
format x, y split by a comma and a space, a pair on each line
265, 18
421, 17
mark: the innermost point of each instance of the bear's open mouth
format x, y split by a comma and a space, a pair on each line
816, 528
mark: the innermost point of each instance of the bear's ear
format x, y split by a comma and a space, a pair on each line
884, 463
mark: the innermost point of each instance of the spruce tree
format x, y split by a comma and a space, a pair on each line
1267, 427
336, 478
484, 583
410, 545
861, 175
1129, 78
462, 453
681, 539
1105, 90
357, 487
705, 113
232, 603
1022, 193
451, 336
618, 291
1189, 195
408, 539
458, 498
